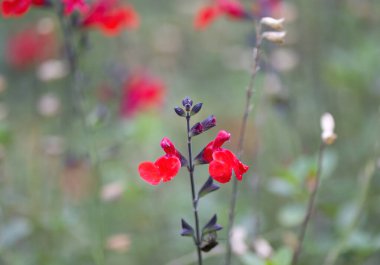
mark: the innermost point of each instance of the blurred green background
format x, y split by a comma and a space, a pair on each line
69, 185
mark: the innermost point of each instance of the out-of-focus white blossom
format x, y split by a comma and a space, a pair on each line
328, 125
112, 191
277, 37
276, 24
263, 248
49, 105
51, 70
238, 244
118, 243
45, 25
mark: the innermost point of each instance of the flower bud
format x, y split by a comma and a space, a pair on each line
277, 37
187, 103
203, 126
180, 112
328, 124
197, 107
276, 24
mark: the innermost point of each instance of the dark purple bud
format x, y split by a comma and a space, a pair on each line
180, 112
187, 103
203, 126
207, 188
197, 107
187, 230
209, 122
211, 226
196, 129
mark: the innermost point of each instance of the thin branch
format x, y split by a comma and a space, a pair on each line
310, 206
243, 129
197, 239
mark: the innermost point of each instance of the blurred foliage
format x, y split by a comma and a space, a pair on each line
53, 167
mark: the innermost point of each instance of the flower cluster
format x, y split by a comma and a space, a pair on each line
110, 16
141, 91
222, 162
165, 167
235, 10
30, 46
231, 8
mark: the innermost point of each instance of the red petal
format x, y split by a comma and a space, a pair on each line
131, 17
168, 167
220, 171
14, 7
220, 168
232, 8
221, 138
214, 146
205, 16
168, 146
150, 173
240, 169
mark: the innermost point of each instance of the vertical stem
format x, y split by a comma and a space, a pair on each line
310, 206
243, 128
197, 240
78, 97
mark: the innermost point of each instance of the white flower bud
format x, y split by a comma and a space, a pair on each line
277, 37
276, 24
328, 125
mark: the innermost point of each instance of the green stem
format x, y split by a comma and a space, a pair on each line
243, 129
310, 207
197, 239
78, 97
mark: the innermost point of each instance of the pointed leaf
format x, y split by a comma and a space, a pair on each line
187, 230
207, 188
211, 226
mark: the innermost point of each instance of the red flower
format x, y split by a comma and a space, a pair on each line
231, 8
165, 167
110, 17
141, 92
16, 8
28, 47
221, 161
72, 5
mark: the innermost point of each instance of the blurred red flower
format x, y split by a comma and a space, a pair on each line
16, 8
221, 161
29, 47
231, 8
110, 17
165, 167
141, 92
72, 5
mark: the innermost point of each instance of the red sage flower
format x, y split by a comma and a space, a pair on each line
110, 17
17, 8
165, 167
141, 92
221, 161
233, 9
